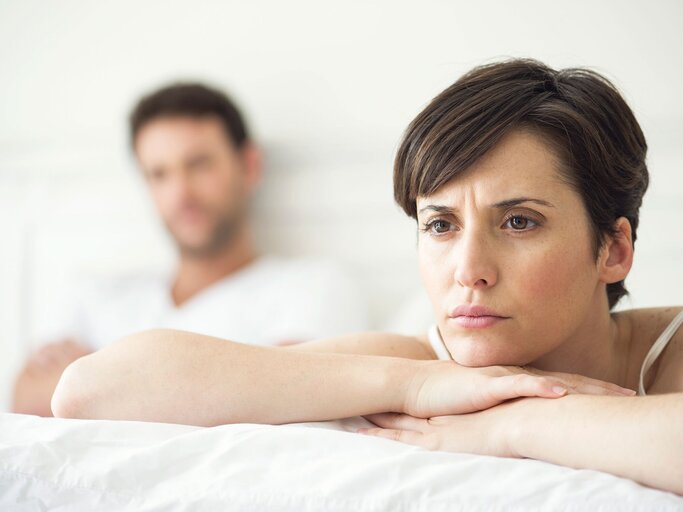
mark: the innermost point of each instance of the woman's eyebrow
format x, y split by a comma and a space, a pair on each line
436, 208
518, 200
507, 203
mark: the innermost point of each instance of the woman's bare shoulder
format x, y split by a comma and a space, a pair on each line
646, 325
650, 318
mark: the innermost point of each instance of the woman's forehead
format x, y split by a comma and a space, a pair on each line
520, 165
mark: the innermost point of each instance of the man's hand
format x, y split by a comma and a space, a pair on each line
444, 387
37, 381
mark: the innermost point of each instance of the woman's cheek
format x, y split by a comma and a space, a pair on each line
435, 271
553, 285
542, 276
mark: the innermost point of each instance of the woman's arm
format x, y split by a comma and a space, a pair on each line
638, 438
372, 344
181, 377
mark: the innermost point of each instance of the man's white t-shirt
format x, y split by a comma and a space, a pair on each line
271, 300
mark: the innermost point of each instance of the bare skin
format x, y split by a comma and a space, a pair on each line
511, 235
552, 327
37, 381
181, 377
201, 185
174, 376
632, 438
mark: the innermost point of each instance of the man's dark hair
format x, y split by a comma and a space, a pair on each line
577, 112
191, 100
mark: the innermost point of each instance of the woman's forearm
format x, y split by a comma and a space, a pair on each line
638, 438
180, 377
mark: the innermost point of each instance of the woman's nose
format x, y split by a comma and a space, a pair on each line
474, 261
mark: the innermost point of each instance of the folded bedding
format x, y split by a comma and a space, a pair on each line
87, 465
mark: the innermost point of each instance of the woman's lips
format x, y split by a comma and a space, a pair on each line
475, 316
477, 322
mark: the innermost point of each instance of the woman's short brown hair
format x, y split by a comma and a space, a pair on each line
578, 112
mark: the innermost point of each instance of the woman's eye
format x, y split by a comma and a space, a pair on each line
439, 226
520, 223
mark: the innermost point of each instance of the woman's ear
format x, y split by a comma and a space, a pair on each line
616, 254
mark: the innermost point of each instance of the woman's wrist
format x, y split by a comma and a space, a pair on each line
402, 383
524, 423
514, 428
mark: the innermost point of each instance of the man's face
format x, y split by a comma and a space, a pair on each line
199, 181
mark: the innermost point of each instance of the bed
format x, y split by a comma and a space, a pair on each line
86, 465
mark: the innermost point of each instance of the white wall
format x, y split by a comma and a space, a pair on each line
328, 89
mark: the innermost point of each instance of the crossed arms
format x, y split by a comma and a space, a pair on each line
173, 376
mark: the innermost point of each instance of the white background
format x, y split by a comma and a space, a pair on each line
327, 88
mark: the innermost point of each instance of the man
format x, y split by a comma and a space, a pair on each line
202, 169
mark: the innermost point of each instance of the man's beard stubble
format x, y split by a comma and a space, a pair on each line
223, 235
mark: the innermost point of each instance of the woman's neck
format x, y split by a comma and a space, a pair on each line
598, 348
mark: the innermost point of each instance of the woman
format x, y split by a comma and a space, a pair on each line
526, 184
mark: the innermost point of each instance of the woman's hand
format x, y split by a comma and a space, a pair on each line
637, 438
482, 433
444, 387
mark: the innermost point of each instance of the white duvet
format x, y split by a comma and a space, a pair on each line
77, 465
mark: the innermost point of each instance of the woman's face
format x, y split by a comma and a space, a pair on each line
510, 236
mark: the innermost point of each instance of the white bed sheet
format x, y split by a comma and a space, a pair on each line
77, 465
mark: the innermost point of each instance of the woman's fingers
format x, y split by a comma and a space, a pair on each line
397, 421
585, 385
397, 427
587, 388
408, 429
403, 436
513, 386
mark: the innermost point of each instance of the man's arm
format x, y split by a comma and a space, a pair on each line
35, 383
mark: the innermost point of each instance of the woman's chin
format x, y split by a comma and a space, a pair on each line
479, 354
502, 345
